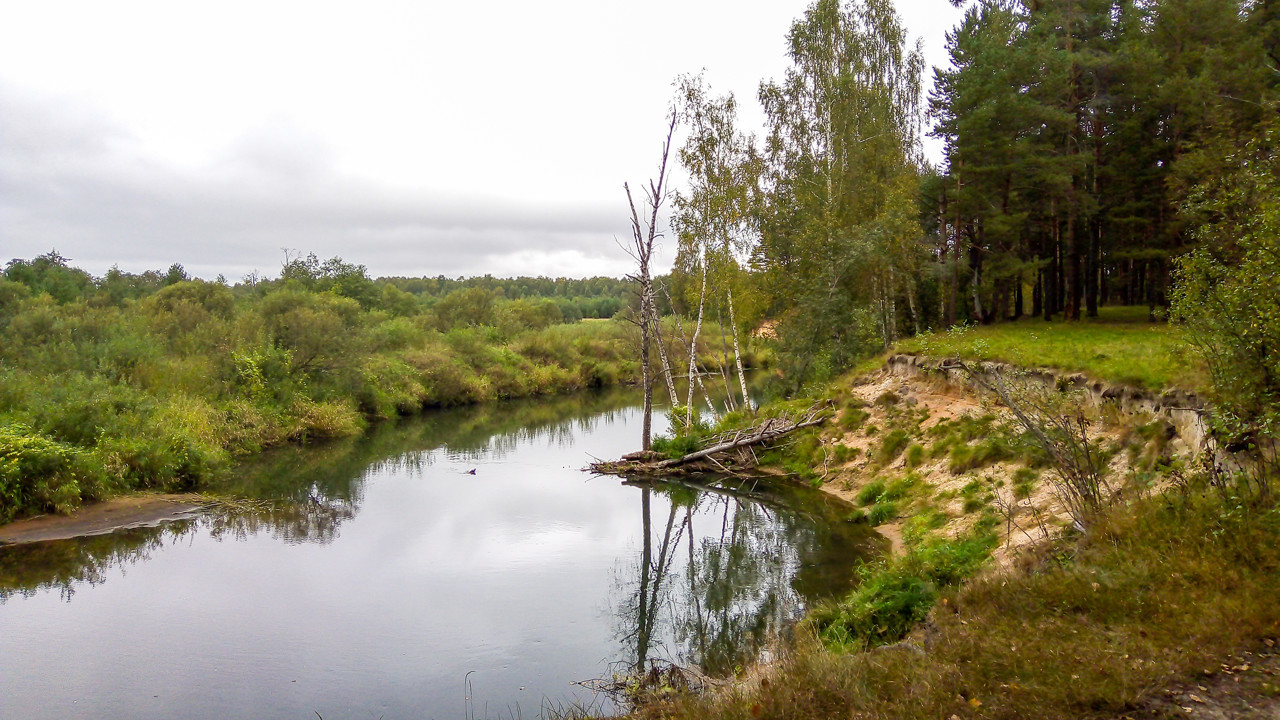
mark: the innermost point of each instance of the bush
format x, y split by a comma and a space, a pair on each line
1227, 293
38, 474
915, 455
678, 445
871, 492
896, 595
899, 488
882, 512
853, 418
892, 445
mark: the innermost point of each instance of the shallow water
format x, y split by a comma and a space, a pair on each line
384, 580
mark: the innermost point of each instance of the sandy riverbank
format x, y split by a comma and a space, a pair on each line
140, 510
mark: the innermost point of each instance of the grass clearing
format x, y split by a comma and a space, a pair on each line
1120, 345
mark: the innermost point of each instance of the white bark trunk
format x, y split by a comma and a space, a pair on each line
662, 349
693, 345
737, 354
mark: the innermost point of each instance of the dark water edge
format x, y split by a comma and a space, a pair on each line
378, 574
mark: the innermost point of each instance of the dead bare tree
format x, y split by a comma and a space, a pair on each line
641, 250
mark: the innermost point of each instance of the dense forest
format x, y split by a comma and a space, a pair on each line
1097, 152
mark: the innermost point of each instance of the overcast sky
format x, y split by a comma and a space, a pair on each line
416, 137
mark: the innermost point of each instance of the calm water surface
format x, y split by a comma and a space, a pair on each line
378, 577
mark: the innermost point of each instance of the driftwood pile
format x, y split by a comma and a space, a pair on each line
722, 453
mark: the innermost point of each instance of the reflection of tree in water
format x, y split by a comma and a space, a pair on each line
314, 520
64, 564
725, 571
303, 494
67, 564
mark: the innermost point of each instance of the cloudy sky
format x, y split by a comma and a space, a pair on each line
416, 137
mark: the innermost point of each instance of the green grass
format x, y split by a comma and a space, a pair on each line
871, 492
1118, 346
893, 444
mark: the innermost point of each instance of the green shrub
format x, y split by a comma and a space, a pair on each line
882, 512
899, 488
892, 445
871, 492
894, 596
915, 455
883, 609
38, 474
853, 418
677, 446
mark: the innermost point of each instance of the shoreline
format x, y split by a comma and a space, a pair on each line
100, 518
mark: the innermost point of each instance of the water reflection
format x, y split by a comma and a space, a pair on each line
308, 492
723, 568
367, 578
65, 564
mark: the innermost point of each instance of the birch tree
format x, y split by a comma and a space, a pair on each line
713, 217
841, 162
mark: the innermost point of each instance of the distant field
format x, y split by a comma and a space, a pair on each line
1120, 345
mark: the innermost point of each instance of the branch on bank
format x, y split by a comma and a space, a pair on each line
763, 433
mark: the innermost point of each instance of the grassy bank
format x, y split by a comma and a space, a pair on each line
1173, 576
1161, 592
1120, 345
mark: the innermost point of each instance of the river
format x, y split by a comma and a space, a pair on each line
454, 564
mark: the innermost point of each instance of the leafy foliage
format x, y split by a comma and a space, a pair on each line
1228, 295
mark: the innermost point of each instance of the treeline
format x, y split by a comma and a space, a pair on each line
159, 380
1075, 132
597, 297
1080, 137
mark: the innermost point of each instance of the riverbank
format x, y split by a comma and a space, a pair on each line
1155, 598
118, 513
128, 405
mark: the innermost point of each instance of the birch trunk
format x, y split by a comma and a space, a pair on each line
911, 304
730, 400
693, 346
662, 349
737, 353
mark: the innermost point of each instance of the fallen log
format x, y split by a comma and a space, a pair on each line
768, 431
763, 435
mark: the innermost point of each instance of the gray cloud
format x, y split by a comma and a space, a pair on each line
72, 180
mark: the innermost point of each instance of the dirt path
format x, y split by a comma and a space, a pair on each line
143, 510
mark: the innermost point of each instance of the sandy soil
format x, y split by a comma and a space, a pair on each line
1026, 522
142, 510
